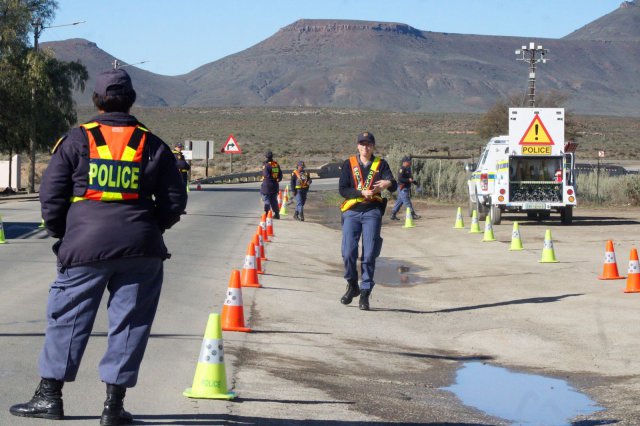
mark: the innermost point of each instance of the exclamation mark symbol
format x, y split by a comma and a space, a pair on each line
536, 130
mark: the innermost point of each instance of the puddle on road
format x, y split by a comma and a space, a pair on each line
396, 273
525, 399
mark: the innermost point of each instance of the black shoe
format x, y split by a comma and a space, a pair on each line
113, 413
46, 402
352, 291
301, 217
276, 215
415, 216
295, 216
394, 217
364, 300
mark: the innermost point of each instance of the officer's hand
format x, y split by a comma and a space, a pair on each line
367, 193
381, 185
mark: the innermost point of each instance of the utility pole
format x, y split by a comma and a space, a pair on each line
532, 55
38, 27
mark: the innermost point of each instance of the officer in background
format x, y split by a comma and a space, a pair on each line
300, 181
183, 165
405, 179
110, 191
363, 178
271, 176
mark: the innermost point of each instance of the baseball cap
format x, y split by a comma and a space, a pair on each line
179, 145
113, 82
406, 158
366, 137
301, 163
268, 154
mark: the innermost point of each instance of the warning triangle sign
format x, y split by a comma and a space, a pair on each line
231, 146
536, 133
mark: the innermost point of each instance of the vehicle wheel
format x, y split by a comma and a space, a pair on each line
566, 215
472, 207
482, 211
496, 215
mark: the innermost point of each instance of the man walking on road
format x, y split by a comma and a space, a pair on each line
405, 179
300, 181
271, 176
110, 191
363, 178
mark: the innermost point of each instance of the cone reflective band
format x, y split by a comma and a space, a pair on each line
256, 247
269, 224
233, 309
548, 254
516, 242
210, 379
249, 274
610, 268
263, 221
262, 254
488, 230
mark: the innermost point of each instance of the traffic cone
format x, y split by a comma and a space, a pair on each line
265, 238
286, 192
610, 271
548, 255
263, 220
408, 219
459, 222
2, 240
279, 200
210, 379
256, 246
270, 224
283, 208
633, 280
249, 273
233, 309
488, 230
263, 252
475, 225
516, 242
198, 187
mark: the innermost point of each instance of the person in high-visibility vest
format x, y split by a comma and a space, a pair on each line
363, 178
271, 177
300, 181
181, 162
110, 191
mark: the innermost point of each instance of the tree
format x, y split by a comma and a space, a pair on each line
496, 121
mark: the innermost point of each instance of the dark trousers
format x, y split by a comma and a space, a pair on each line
271, 203
366, 225
74, 298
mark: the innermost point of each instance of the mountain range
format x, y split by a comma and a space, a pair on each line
393, 66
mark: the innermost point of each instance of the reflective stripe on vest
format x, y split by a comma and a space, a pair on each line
356, 172
114, 162
302, 181
275, 169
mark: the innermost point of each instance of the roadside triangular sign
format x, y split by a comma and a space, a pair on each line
231, 146
536, 133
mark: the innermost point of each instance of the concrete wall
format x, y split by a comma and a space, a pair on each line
15, 173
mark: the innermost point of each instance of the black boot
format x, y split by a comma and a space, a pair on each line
46, 402
393, 217
295, 216
301, 217
364, 300
113, 413
415, 216
352, 291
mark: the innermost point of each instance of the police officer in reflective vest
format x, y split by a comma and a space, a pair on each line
271, 176
405, 179
181, 162
300, 181
364, 176
110, 191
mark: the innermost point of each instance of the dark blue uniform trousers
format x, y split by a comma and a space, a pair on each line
366, 225
74, 298
270, 202
404, 197
301, 199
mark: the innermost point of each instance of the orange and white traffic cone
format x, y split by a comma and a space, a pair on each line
233, 310
256, 245
265, 238
610, 271
270, 224
279, 200
633, 280
263, 225
249, 274
263, 253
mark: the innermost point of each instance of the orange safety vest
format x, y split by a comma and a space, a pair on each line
275, 170
115, 158
356, 172
302, 181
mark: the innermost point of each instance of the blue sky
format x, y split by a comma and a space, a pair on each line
176, 37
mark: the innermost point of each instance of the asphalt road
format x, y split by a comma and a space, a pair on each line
312, 361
